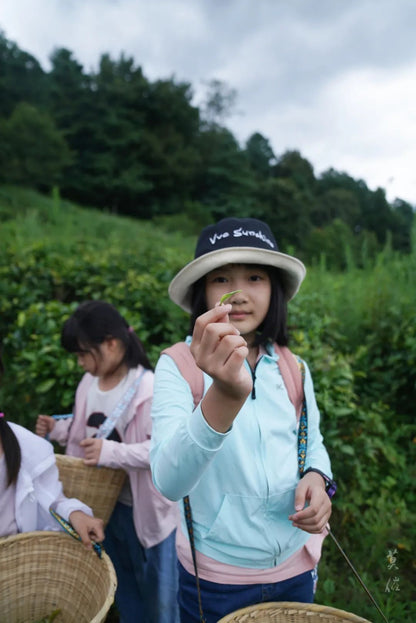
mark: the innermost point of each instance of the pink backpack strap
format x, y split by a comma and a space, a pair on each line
182, 356
292, 376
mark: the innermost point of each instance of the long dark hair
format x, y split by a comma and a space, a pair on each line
274, 326
92, 323
11, 449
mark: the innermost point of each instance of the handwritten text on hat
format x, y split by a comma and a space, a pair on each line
240, 232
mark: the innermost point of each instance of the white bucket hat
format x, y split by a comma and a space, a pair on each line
235, 241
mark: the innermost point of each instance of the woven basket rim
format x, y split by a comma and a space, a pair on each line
40, 535
68, 458
315, 608
76, 462
97, 486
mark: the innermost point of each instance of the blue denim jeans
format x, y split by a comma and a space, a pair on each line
147, 578
221, 599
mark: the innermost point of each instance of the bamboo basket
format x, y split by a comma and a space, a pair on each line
291, 612
41, 572
98, 487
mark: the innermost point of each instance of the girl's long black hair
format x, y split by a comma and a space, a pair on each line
92, 323
11, 449
274, 326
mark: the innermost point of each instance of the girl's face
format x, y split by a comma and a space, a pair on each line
103, 360
250, 306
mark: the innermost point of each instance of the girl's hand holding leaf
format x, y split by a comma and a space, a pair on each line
220, 351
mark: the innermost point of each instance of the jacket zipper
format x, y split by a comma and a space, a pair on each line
253, 396
253, 376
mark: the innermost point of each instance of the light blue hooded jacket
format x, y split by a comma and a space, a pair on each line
241, 484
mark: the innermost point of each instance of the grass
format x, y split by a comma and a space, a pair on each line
28, 218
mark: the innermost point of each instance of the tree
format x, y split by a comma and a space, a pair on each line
219, 102
337, 203
70, 103
260, 155
112, 163
69, 87
335, 242
34, 152
21, 78
404, 215
331, 180
223, 182
378, 216
171, 142
292, 165
286, 208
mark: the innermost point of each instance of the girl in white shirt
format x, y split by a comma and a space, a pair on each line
30, 486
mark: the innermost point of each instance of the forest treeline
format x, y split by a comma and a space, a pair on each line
113, 139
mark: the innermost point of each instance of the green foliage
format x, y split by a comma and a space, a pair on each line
113, 139
223, 181
260, 155
44, 376
285, 207
355, 329
33, 152
219, 102
21, 78
292, 165
333, 242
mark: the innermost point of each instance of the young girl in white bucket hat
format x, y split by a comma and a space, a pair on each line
245, 455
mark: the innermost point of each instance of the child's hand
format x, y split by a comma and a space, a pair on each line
220, 351
44, 425
88, 528
92, 450
314, 517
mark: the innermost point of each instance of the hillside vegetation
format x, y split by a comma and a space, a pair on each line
356, 329
111, 138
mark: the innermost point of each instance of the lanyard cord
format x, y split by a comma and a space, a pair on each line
68, 527
188, 517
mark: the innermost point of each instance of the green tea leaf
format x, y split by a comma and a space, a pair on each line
226, 296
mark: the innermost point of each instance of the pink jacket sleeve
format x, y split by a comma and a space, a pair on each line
129, 456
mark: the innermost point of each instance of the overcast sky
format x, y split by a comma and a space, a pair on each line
334, 79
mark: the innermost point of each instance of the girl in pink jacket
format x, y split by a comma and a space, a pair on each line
111, 426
